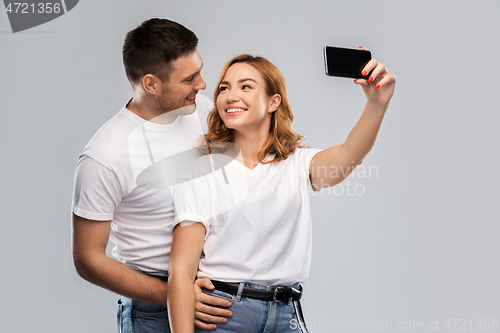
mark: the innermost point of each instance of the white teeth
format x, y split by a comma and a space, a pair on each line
235, 110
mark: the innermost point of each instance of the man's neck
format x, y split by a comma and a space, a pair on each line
150, 112
142, 109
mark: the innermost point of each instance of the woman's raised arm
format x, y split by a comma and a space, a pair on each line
333, 165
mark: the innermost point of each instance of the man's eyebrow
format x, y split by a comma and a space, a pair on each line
187, 78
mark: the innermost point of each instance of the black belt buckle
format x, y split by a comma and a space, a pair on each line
279, 291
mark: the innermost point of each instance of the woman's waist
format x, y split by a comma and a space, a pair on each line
260, 292
261, 285
258, 281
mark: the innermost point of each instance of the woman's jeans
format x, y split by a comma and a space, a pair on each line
249, 315
255, 316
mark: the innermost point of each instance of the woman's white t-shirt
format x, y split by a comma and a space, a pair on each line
258, 222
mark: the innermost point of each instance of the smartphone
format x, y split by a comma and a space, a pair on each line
344, 62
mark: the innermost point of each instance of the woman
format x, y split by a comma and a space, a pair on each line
250, 217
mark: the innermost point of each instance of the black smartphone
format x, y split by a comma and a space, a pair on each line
344, 62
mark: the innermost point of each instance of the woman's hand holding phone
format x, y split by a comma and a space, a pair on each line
379, 87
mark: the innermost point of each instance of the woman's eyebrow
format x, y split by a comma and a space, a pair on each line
248, 79
239, 81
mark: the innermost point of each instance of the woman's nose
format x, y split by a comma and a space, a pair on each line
232, 95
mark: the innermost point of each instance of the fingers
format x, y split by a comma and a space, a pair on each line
387, 79
211, 314
378, 77
213, 310
361, 82
365, 71
370, 67
204, 326
203, 299
379, 73
207, 315
206, 307
380, 69
204, 283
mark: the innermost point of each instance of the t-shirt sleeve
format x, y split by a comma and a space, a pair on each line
97, 191
191, 201
305, 156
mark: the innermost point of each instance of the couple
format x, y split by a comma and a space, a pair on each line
257, 252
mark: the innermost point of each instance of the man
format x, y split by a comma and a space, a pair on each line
111, 201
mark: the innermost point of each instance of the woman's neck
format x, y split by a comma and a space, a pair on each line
250, 144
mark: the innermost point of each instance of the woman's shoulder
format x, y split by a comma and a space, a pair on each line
300, 160
302, 153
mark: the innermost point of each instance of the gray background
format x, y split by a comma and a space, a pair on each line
421, 242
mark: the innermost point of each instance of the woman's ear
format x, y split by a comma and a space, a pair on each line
275, 103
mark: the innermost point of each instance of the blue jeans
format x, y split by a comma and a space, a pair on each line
255, 316
139, 317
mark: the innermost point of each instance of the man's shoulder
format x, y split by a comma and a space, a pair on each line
111, 137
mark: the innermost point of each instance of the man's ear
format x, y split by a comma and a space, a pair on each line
151, 84
275, 103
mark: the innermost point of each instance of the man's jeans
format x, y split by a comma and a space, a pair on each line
140, 317
252, 316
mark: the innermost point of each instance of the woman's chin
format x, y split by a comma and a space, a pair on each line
232, 125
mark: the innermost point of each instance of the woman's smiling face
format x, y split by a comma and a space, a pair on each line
243, 103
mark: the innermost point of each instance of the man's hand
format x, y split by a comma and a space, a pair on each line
207, 307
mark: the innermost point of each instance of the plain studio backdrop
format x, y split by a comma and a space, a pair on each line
408, 242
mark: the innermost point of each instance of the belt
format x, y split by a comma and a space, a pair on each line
164, 278
276, 294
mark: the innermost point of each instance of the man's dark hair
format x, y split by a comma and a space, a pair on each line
153, 45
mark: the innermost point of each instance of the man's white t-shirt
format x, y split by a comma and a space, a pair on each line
125, 173
258, 222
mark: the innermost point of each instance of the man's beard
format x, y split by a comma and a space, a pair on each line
166, 113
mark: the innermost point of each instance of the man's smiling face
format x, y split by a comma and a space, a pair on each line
183, 83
